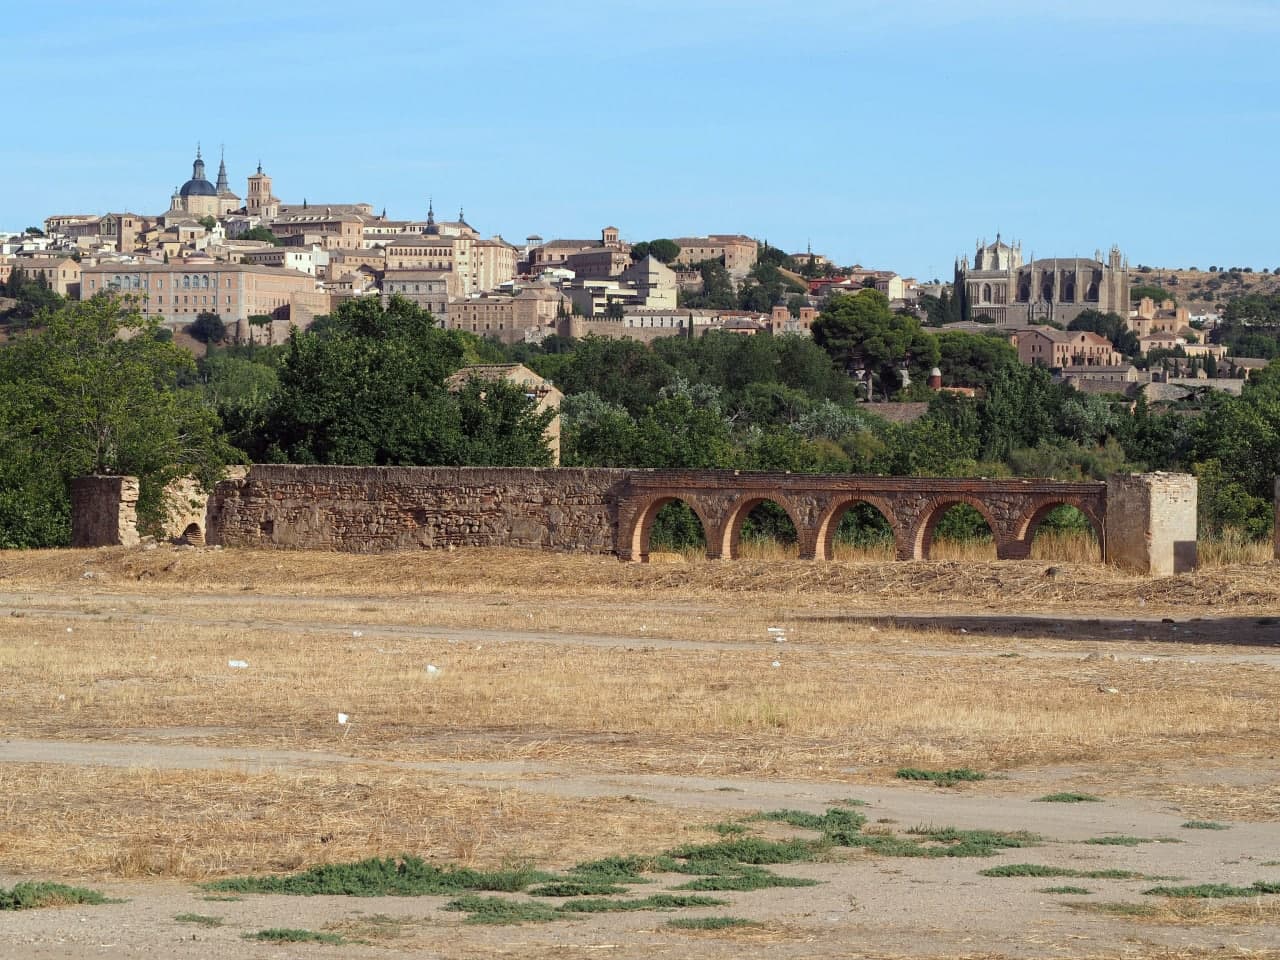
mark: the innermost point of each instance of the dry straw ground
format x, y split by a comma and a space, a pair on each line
589, 664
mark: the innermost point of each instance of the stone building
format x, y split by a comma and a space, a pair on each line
177, 292
737, 252
429, 289
526, 316
60, 273
1056, 349
1000, 285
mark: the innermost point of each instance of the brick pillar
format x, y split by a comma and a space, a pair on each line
1151, 522
104, 511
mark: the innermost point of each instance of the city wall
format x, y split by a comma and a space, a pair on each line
1145, 523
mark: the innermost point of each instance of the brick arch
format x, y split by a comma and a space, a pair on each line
829, 521
642, 528
730, 530
192, 534
1024, 528
921, 538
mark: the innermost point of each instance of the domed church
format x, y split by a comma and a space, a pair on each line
199, 198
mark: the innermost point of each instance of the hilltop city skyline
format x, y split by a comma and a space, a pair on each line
891, 138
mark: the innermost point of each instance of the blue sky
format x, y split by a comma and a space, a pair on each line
887, 134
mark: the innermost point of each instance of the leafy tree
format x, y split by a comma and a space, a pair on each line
208, 328
973, 360
264, 235
33, 294
94, 391
33, 232
1109, 325
1157, 293
717, 288
621, 372
208, 222
860, 331
662, 249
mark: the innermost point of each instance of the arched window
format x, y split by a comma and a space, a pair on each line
186, 282
1046, 288
986, 293
1069, 291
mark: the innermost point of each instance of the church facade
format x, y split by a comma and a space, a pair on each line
1014, 294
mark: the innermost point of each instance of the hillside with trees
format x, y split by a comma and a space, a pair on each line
367, 386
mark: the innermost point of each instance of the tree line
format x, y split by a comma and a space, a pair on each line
95, 387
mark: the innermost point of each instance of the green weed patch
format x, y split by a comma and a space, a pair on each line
400, 877
1214, 891
1071, 890
291, 935
1040, 870
33, 896
943, 778
710, 923
1205, 825
1068, 798
199, 919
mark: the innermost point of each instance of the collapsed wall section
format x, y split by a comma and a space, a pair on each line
379, 509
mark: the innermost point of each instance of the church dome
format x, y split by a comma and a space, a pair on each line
197, 186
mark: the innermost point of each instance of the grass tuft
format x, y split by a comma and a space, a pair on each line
402, 877
658, 901
1068, 798
32, 896
749, 878
943, 778
1214, 891
498, 910
292, 935
1041, 870
1205, 825
710, 923
199, 919
1117, 841
1072, 890
577, 888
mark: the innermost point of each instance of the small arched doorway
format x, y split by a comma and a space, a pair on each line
669, 526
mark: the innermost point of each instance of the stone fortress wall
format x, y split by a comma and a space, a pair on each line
1145, 523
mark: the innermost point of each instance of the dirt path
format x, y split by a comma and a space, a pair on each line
908, 906
1185, 638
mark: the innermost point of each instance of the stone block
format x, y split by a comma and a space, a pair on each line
1151, 523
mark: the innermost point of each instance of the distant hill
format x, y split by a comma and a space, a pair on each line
1201, 291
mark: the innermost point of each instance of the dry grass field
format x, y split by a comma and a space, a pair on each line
513, 708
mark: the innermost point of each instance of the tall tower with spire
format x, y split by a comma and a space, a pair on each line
223, 188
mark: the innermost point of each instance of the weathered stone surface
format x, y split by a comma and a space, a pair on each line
104, 511
1142, 522
377, 509
1151, 522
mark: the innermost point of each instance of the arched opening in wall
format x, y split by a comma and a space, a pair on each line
764, 531
673, 532
957, 531
861, 534
986, 293
1069, 291
192, 535
1063, 533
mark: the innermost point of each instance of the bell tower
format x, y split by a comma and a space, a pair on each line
260, 202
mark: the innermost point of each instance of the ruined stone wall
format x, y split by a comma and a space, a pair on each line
1151, 522
104, 511
377, 509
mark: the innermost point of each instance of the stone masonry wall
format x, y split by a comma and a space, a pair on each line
104, 511
1151, 522
377, 509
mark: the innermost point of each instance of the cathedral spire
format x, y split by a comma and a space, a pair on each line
223, 187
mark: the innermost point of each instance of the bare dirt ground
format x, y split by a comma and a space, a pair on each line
579, 708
